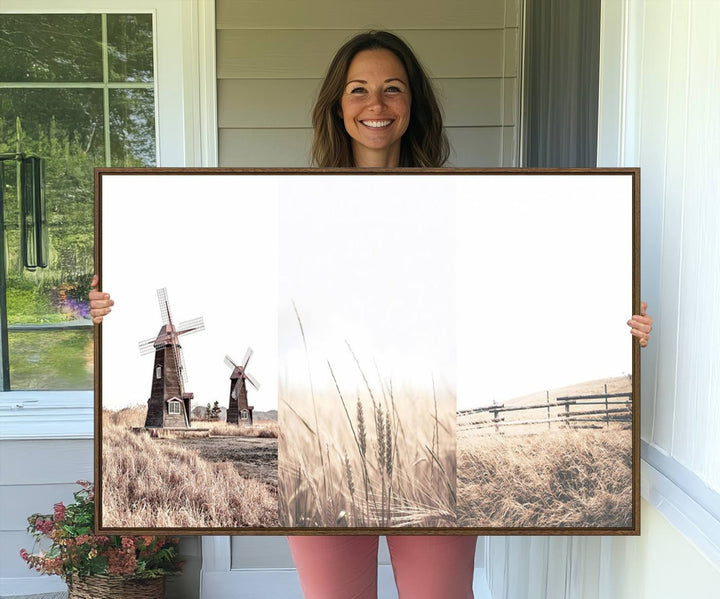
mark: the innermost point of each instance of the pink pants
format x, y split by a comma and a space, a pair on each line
425, 567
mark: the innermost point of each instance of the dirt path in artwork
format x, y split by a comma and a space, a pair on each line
252, 457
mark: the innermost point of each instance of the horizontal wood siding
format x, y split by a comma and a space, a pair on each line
35, 475
271, 58
287, 103
334, 14
307, 54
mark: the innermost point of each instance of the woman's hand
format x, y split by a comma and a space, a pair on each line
641, 325
100, 303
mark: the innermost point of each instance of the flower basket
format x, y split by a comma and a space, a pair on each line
98, 566
116, 587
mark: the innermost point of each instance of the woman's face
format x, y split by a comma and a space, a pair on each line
375, 107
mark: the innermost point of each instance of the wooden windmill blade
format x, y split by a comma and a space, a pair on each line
164, 306
229, 362
246, 359
181, 361
236, 388
147, 346
253, 381
194, 325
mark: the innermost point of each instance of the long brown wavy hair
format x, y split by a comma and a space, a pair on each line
424, 144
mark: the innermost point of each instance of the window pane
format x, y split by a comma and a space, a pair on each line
50, 48
54, 359
132, 127
130, 47
66, 127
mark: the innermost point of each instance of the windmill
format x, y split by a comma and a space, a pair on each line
169, 404
239, 410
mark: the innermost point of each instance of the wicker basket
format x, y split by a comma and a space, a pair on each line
116, 587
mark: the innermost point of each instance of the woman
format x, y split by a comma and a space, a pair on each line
376, 109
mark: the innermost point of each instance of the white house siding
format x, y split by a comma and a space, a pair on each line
34, 475
660, 84
271, 58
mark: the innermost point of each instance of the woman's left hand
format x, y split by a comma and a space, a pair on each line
641, 325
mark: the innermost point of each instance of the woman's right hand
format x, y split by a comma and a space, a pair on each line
100, 302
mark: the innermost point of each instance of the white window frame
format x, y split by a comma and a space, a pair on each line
186, 128
174, 407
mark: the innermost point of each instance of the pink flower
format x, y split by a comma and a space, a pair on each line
24, 555
128, 543
59, 509
44, 526
121, 562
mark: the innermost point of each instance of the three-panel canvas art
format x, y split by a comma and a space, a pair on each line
342, 352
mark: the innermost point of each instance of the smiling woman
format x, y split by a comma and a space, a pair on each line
375, 107
365, 104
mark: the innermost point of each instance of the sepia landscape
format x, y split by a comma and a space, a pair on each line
558, 458
214, 475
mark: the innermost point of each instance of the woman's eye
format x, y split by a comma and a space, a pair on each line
393, 89
357, 90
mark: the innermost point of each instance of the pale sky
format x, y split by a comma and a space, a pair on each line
212, 241
496, 286
547, 284
369, 260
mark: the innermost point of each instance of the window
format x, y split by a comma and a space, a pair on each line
174, 407
158, 372
243, 414
78, 91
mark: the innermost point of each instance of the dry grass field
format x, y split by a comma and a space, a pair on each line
157, 482
552, 479
378, 459
545, 475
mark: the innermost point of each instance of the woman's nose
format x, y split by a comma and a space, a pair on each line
376, 100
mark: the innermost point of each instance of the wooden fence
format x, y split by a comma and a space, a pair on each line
571, 411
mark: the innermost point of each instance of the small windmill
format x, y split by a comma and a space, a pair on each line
169, 404
238, 409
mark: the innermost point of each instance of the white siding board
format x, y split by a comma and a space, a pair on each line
518, 554
307, 53
672, 220
258, 552
288, 103
558, 563
19, 501
510, 147
511, 62
653, 144
265, 147
11, 564
471, 102
377, 14
513, 14
40, 462
697, 424
266, 103
510, 101
537, 567
475, 146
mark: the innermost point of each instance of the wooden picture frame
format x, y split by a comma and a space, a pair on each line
445, 351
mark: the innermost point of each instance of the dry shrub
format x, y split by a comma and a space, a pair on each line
148, 485
133, 416
554, 479
262, 428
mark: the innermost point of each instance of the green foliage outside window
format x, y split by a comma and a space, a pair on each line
78, 91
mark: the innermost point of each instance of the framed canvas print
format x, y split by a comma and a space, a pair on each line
342, 352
